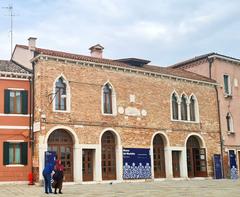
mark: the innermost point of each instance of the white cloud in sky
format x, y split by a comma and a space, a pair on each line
164, 31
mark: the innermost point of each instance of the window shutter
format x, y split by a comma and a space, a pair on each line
24, 95
6, 101
24, 153
5, 153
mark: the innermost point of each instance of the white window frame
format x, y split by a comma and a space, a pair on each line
171, 107
231, 124
114, 100
68, 95
229, 86
197, 117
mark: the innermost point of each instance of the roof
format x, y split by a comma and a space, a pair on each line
147, 68
13, 67
201, 57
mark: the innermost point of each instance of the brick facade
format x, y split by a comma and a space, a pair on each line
152, 95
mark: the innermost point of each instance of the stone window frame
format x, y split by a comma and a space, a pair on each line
230, 130
197, 117
68, 95
114, 100
229, 93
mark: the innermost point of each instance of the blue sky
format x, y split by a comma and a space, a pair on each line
163, 31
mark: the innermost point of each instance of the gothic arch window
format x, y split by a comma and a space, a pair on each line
193, 108
109, 102
175, 106
184, 107
229, 120
107, 99
60, 95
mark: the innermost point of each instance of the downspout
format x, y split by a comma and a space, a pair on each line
32, 110
210, 61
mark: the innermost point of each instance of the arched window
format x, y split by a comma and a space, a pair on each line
192, 107
107, 99
229, 123
174, 106
184, 107
60, 95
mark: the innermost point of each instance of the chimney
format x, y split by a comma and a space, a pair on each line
32, 43
96, 51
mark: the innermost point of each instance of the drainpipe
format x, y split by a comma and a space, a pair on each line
210, 61
32, 102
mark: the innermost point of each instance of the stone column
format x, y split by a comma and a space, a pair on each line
77, 163
168, 162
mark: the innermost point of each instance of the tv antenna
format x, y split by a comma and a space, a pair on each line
10, 11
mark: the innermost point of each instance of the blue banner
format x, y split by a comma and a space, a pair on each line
217, 166
136, 163
50, 157
232, 159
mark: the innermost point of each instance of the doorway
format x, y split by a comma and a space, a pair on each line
196, 158
176, 163
108, 143
87, 164
158, 157
61, 142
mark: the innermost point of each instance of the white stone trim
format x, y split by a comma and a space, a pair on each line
16, 89
171, 107
14, 127
229, 85
231, 123
68, 95
96, 161
43, 145
14, 141
14, 165
201, 142
114, 100
166, 155
197, 116
119, 158
15, 115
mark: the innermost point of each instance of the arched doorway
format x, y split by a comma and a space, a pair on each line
108, 144
196, 158
61, 142
158, 157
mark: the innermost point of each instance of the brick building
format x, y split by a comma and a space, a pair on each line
90, 110
15, 153
225, 70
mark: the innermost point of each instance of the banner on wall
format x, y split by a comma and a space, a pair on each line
136, 163
217, 164
50, 157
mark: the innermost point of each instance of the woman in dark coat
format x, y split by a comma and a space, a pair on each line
58, 177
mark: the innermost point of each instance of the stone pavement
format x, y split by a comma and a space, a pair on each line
173, 188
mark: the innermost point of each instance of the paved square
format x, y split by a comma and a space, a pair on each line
209, 188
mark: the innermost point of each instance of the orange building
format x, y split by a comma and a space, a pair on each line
15, 122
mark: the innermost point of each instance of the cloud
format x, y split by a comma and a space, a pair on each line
160, 30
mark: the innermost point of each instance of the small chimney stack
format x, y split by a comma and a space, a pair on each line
96, 51
32, 43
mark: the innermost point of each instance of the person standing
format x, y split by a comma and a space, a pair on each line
58, 176
47, 171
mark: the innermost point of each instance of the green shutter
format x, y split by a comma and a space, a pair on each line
24, 95
6, 101
24, 153
5, 153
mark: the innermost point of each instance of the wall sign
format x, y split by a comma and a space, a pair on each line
136, 163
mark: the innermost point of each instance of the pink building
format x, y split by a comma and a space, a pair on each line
226, 71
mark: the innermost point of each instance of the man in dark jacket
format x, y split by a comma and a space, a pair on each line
47, 177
